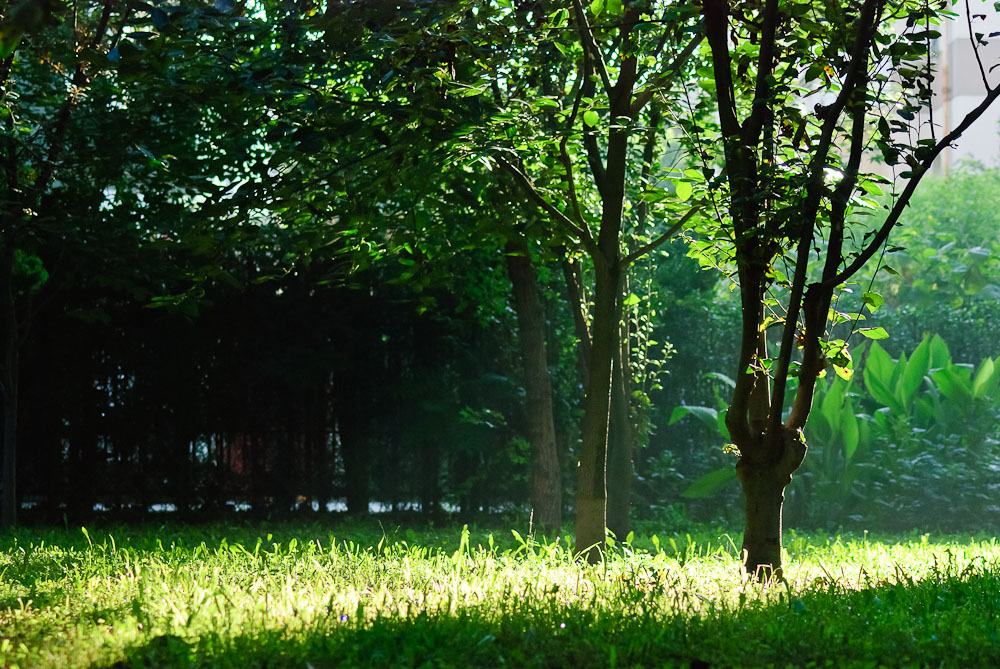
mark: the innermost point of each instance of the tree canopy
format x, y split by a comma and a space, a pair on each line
277, 253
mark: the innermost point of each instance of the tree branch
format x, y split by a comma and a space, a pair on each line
765, 63
594, 158
590, 44
975, 45
665, 76
911, 185
648, 150
581, 234
564, 153
717, 33
643, 250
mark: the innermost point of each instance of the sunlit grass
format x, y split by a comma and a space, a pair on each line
360, 595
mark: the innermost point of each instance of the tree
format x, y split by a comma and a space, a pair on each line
584, 110
801, 92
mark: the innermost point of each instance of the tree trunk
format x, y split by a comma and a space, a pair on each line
764, 482
620, 443
546, 488
762, 536
591, 491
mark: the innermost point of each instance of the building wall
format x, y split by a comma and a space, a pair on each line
959, 86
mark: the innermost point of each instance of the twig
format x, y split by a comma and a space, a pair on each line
643, 250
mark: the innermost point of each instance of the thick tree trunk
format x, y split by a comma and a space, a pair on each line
762, 536
764, 483
546, 489
620, 444
591, 491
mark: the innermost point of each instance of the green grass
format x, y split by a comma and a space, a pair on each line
308, 595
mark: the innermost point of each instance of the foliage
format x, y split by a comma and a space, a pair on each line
913, 445
361, 595
918, 446
947, 248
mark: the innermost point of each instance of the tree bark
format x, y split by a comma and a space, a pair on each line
764, 483
546, 489
591, 497
591, 491
620, 445
762, 536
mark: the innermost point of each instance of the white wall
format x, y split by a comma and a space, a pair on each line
959, 86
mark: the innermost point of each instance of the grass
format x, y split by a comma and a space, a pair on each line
306, 595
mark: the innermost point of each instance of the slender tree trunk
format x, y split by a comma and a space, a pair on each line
546, 489
318, 465
591, 491
620, 444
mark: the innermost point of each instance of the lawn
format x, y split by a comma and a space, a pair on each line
343, 594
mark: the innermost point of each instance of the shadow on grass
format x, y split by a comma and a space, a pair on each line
950, 620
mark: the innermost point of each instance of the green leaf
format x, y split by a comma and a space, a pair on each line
940, 356
591, 118
683, 190
631, 300
849, 429
873, 300
874, 333
613, 7
710, 483
832, 404
706, 415
985, 376
596, 7
913, 377
718, 376
871, 188
953, 384
10, 37
878, 373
